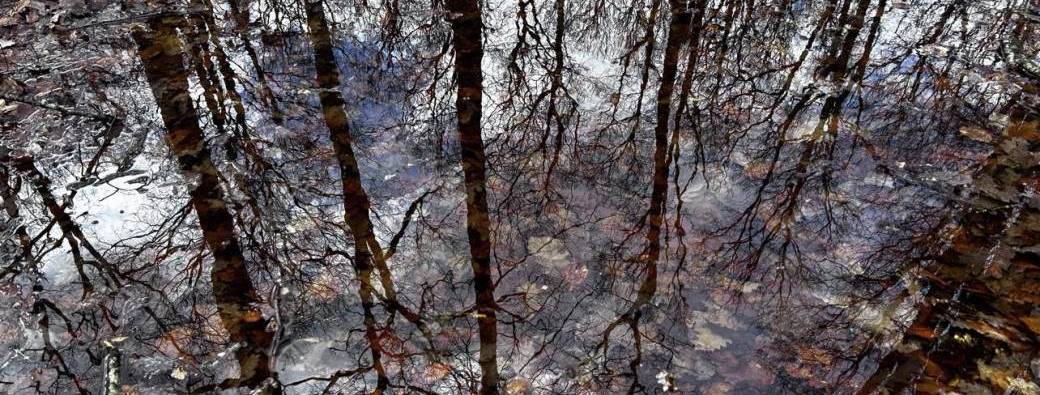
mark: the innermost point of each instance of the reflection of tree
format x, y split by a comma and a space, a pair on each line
770, 220
233, 290
466, 20
688, 196
678, 27
975, 325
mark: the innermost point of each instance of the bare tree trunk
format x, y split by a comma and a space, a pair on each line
466, 24
199, 46
73, 234
240, 11
355, 200
678, 31
369, 255
236, 297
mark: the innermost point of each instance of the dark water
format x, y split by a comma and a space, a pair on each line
706, 197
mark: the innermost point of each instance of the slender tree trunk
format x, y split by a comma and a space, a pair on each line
237, 301
355, 200
41, 184
369, 253
678, 31
205, 69
240, 11
227, 73
466, 24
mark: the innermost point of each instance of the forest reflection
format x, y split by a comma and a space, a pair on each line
520, 197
